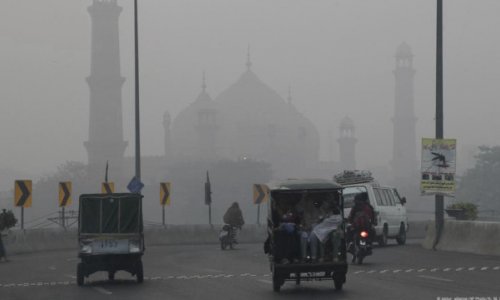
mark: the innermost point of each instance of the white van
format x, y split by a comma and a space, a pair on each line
390, 212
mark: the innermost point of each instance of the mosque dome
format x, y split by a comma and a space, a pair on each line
404, 50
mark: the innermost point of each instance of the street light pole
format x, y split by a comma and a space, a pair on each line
439, 199
137, 123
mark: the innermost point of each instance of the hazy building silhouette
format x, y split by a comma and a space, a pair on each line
347, 145
404, 161
105, 141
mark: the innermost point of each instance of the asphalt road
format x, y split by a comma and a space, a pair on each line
206, 272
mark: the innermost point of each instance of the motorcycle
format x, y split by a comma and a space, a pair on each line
361, 246
227, 237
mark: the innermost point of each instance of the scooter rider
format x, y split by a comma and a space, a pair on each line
234, 218
361, 217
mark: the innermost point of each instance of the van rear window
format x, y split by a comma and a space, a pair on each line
350, 193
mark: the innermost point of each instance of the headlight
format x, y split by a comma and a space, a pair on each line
134, 246
86, 246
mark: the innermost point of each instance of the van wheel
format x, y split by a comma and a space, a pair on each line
382, 241
79, 274
401, 239
139, 272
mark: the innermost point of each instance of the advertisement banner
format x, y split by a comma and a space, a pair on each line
438, 166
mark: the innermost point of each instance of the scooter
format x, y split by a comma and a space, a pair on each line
361, 246
227, 237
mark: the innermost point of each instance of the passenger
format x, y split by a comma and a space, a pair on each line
313, 213
287, 239
327, 231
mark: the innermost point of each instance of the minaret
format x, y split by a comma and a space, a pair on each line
404, 161
167, 121
105, 141
347, 143
206, 126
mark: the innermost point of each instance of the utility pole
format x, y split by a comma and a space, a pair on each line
137, 123
439, 199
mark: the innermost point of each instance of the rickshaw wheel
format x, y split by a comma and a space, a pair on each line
338, 280
338, 284
276, 284
139, 272
79, 274
223, 245
111, 275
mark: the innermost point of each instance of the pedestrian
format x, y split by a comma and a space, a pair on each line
3, 253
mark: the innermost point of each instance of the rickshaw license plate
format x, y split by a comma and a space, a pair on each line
110, 246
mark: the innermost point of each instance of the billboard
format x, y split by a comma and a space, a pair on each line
438, 166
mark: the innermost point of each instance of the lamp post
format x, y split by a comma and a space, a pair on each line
137, 123
439, 199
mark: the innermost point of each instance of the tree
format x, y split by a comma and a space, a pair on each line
481, 184
7, 219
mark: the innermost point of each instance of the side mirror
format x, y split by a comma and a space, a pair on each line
403, 200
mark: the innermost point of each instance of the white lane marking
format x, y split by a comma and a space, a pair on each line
396, 271
484, 268
265, 281
371, 271
52, 268
421, 270
435, 278
446, 269
102, 290
496, 268
471, 268
383, 271
357, 272
459, 269
70, 276
409, 270
434, 270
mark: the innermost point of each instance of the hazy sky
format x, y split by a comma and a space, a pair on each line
337, 56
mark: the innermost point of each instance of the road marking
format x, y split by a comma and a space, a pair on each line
52, 268
396, 271
484, 268
435, 278
471, 268
434, 270
409, 270
70, 276
446, 269
383, 271
357, 272
371, 271
421, 270
265, 281
102, 290
459, 269
496, 268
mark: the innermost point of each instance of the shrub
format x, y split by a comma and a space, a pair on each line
469, 209
7, 219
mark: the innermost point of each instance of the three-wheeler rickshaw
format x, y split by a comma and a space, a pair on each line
300, 211
110, 235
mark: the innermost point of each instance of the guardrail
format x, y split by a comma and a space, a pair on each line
477, 237
58, 239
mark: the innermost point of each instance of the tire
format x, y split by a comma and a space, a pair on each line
80, 280
401, 239
338, 284
276, 284
382, 241
111, 275
223, 245
360, 259
139, 272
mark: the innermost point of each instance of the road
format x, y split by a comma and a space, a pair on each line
206, 272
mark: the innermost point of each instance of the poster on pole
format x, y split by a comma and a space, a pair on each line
438, 166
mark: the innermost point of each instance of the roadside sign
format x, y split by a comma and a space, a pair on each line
135, 185
260, 193
107, 187
438, 166
22, 193
165, 193
65, 194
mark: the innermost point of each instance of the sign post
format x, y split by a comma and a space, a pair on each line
164, 198
22, 196
208, 199
260, 194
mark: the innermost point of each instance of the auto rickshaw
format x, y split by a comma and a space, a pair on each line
110, 235
292, 205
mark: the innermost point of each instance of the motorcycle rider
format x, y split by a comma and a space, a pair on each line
361, 217
234, 218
